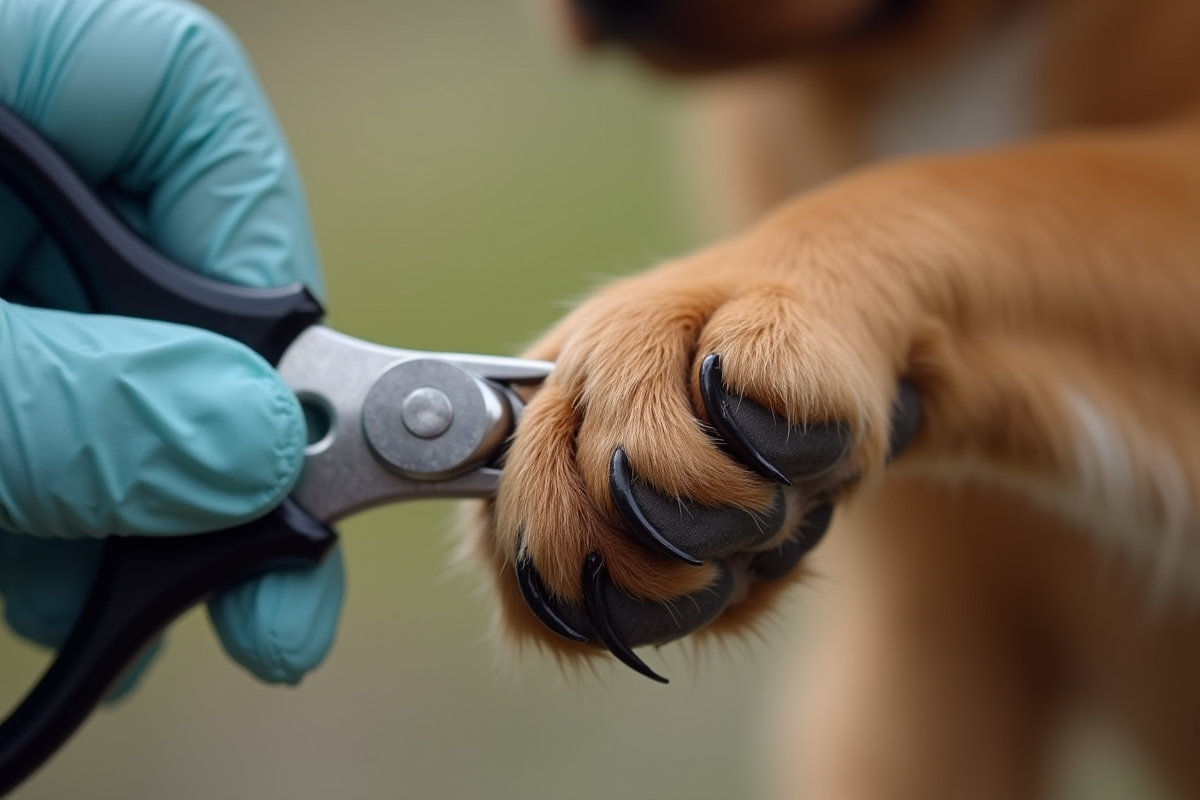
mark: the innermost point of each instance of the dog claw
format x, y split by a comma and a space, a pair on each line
712, 389
682, 529
765, 442
620, 479
595, 584
533, 590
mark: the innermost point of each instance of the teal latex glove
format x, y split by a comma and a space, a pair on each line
110, 425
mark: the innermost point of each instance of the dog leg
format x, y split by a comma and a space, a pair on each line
1040, 299
921, 676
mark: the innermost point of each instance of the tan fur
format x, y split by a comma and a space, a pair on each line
1045, 298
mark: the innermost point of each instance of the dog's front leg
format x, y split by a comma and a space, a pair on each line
1040, 299
1052, 333
927, 667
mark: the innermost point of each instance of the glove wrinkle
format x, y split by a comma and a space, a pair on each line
209, 435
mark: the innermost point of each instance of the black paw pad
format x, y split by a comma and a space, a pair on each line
771, 565
683, 529
643, 622
764, 441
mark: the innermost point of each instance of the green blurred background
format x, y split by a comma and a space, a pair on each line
465, 179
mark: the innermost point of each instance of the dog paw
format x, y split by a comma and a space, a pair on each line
651, 494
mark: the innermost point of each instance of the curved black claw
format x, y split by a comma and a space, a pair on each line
763, 441
596, 585
683, 529
906, 418
717, 403
620, 482
533, 590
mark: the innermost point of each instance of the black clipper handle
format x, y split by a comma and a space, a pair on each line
143, 582
123, 275
142, 585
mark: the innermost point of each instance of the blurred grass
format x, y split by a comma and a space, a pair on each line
464, 179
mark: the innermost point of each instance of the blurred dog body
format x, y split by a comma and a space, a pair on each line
1038, 547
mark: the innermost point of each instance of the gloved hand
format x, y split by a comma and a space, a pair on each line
110, 425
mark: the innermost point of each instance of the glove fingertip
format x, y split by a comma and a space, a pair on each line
282, 625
